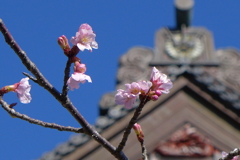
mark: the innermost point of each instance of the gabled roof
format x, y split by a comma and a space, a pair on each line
203, 96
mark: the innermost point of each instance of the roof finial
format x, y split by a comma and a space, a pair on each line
183, 13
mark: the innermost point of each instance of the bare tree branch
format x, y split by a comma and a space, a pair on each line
65, 101
42, 81
66, 77
232, 154
131, 123
13, 113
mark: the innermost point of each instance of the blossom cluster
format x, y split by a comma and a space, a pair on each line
158, 84
84, 39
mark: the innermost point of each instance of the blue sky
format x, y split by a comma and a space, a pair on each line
119, 25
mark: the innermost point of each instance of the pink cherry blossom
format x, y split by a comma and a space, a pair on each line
160, 81
76, 78
85, 38
125, 98
224, 154
22, 89
133, 88
128, 97
153, 89
145, 86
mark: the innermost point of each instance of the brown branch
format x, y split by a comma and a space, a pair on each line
13, 113
65, 102
232, 154
131, 123
66, 77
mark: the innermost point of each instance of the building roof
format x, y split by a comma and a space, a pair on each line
205, 96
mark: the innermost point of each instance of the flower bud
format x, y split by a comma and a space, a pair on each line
138, 130
158, 93
151, 93
154, 97
63, 42
80, 68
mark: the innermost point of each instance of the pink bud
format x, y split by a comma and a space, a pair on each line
11, 87
138, 130
63, 42
7, 89
79, 68
154, 97
151, 93
158, 93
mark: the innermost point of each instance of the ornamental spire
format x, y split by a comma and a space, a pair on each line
183, 13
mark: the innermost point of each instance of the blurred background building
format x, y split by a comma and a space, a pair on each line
198, 119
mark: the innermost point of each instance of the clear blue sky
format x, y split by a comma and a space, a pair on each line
119, 25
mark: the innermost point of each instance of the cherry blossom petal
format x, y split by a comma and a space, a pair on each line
160, 81
94, 45
165, 87
125, 98
133, 88
120, 98
145, 86
76, 78
73, 84
155, 74
130, 102
22, 90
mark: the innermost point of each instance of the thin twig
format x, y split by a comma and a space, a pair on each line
13, 113
30, 77
232, 154
65, 102
131, 123
66, 77
144, 152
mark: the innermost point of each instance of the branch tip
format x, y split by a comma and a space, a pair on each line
16, 114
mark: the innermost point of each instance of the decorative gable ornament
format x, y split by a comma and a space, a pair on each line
186, 142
